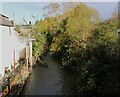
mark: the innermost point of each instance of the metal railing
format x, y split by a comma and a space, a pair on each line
11, 75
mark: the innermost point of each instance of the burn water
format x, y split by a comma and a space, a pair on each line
50, 79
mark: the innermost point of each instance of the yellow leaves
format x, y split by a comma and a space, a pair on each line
55, 45
44, 24
81, 21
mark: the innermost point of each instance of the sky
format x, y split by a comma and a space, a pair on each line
20, 10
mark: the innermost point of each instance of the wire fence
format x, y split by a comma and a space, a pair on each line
4, 83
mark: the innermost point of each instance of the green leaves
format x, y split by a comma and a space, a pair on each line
73, 31
84, 44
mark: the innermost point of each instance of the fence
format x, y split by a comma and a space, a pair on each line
5, 82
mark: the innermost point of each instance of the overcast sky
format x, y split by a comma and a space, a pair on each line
26, 9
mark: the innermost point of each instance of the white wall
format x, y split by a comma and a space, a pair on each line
11, 43
0, 50
7, 48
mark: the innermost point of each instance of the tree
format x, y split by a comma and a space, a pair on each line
84, 44
99, 76
52, 10
77, 25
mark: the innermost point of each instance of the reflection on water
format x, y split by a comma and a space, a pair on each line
52, 80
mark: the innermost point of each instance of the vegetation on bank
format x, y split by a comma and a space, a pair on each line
82, 43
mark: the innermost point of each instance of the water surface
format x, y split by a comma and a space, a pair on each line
51, 80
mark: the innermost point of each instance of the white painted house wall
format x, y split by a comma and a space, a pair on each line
0, 51
10, 43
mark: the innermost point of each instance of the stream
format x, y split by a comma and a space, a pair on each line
51, 80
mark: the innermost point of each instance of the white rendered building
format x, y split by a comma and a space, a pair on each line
12, 46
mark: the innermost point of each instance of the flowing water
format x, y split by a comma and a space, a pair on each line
51, 80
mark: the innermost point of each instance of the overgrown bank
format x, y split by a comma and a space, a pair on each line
84, 44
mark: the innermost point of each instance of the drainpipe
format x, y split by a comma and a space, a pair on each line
14, 61
30, 45
26, 58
